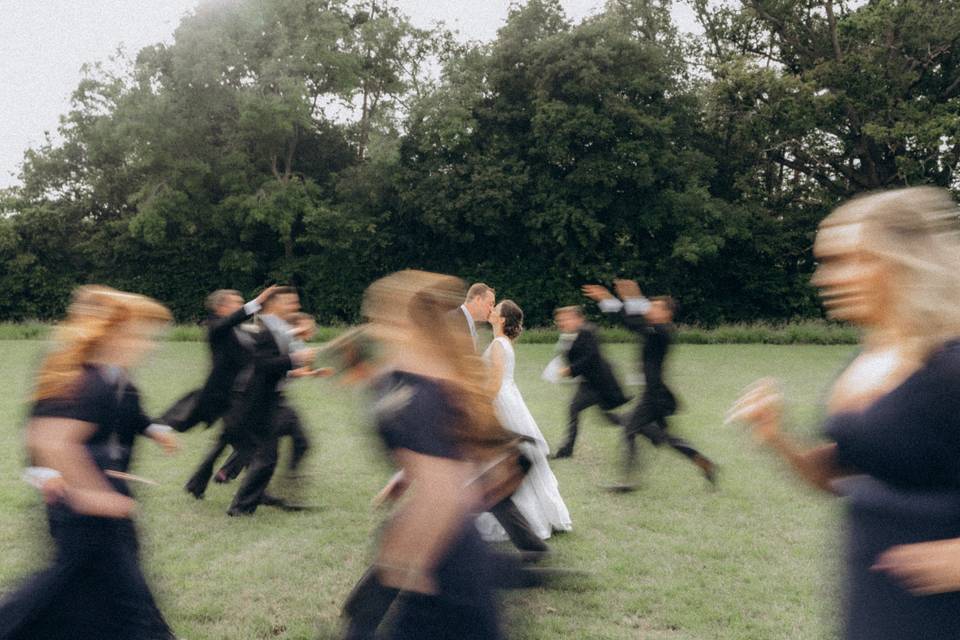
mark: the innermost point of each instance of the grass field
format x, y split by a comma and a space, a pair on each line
756, 559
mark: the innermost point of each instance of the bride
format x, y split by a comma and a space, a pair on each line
538, 497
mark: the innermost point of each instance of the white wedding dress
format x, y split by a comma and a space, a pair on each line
538, 497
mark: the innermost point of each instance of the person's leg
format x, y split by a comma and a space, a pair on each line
197, 484
366, 607
582, 399
517, 527
251, 491
687, 450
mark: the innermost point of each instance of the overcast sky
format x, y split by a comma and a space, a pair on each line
43, 44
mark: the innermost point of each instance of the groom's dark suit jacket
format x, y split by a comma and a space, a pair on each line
229, 356
586, 361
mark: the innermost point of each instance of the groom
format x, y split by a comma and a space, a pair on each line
477, 306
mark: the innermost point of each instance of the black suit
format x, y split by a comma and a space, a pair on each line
649, 418
598, 384
229, 356
250, 423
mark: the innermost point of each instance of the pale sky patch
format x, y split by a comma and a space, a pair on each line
44, 44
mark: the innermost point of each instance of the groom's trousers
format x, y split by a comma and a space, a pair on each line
583, 399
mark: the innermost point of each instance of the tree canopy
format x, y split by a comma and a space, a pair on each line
327, 142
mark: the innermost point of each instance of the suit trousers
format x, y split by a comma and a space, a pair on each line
583, 399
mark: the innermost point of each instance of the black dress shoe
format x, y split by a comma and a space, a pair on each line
563, 452
237, 513
196, 493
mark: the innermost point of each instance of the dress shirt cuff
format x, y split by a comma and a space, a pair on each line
636, 306
38, 476
156, 429
610, 305
252, 307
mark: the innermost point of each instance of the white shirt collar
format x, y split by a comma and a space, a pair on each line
470, 322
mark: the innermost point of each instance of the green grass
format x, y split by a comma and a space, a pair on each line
755, 560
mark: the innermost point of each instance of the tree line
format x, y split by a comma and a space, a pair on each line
327, 142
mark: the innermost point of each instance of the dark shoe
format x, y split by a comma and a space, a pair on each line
708, 468
268, 500
623, 487
563, 452
237, 513
194, 491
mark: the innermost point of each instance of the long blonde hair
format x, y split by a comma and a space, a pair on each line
917, 232
415, 310
94, 315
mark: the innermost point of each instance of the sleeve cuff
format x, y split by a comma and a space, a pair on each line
636, 306
38, 476
252, 307
610, 305
156, 429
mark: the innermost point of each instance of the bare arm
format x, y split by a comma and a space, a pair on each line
58, 443
427, 523
761, 407
495, 371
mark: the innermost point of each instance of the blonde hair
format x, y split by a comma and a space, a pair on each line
413, 308
95, 313
917, 232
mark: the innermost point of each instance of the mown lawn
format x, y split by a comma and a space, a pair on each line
756, 559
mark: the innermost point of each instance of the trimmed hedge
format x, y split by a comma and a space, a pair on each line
805, 332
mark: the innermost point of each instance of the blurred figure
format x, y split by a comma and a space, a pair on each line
261, 412
229, 353
538, 497
433, 415
653, 321
598, 385
287, 421
84, 420
889, 263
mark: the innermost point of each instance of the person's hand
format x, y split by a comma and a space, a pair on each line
761, 408
391, 491
168, 441
564, 372
54, 490
596, 292
925, 568
324, 372
627, 289
303, 357
266, 293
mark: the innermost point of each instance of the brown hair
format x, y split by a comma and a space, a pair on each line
512, 316
477, 290
284, 290
218, 297
412, 308
574, 308
95, 313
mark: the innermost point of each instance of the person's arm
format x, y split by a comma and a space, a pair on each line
58, 443
495, 370
761, 407
222, 325
924, 568
430, 519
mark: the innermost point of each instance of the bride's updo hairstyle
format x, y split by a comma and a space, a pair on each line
512, 316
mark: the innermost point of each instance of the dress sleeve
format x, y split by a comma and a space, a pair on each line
88, 404
420, 419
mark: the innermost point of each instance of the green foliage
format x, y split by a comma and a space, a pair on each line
305, 141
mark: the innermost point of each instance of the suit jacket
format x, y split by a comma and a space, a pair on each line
656, 340
459, 320
229, 356
258, 395
586, 361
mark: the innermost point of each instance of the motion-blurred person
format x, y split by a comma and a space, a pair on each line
652, 320
889, 263
431, 413
287, 421
257, 418
230, 351
598, 385
85, 417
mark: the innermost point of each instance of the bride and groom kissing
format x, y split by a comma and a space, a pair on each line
535, 510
